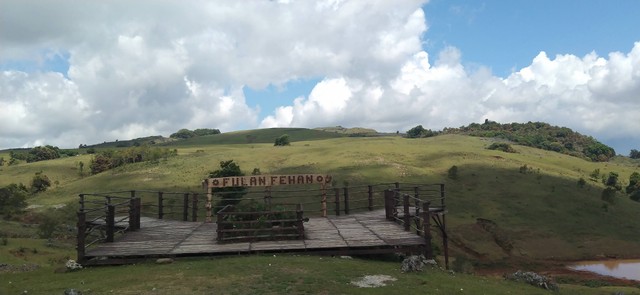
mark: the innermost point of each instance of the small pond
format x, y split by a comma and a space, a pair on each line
621, 268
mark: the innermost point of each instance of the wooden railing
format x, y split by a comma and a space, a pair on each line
103, 216
238, 226
415, 210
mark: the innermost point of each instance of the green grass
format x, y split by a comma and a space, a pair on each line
543, 213
268, 135
279, 274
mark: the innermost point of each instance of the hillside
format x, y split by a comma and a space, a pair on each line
536, 209
540, 135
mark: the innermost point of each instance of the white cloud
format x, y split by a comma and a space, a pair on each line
153, 67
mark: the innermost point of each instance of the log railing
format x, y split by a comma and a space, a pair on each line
234, 225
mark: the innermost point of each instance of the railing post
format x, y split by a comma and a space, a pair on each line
134, 213
82, 229
407, 214
194, 207
346, 200
426, 227
445, 238
160, 206
370, 194
300, 221
267, 197
81, 202
219, 228
185, 207
388, 197
337, 201
111, 220
138, 205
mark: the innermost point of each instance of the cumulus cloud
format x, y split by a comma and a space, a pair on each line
151, 67
595, 95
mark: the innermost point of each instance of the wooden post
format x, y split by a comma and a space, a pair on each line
219, 229
407, 214
185, 207
267, 197
426, 227
138, 206
160, 205
132, 214
370, 193
299, 221
194, 207
445, 238
388, 198
111, 222
80, 240
397, 184
207, 205
323, 200
337, 193
81, 202
346, 200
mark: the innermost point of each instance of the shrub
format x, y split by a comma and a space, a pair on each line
40, 183
13, 199
501, 146
581, 182
609, 195
228, 195
453, 172
282, 140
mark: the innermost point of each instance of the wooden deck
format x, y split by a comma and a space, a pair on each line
361, 233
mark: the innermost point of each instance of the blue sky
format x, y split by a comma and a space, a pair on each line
150, 68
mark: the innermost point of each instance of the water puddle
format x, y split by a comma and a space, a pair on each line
624, 269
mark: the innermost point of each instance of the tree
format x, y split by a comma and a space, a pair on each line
40, 183
634, 154
206, 131
282, 140
42, 153
228, 195
633, 189
183, 134
13, 199
1, 161
612, 181
416, 132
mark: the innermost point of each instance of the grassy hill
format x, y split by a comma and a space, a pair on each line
530, 199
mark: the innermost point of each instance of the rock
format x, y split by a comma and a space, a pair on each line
417, 263
72, 292
164, 260
534, 279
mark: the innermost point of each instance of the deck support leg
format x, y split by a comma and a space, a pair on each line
82, 229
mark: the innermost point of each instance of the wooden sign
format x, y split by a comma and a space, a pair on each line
267, 180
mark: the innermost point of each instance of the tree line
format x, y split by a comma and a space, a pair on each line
534, 134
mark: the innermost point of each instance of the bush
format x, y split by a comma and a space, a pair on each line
282, 140
40, 183
453, 172
13, 199
609, 195
581, 182
228, 195
501, 146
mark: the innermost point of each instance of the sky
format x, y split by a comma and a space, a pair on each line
84, 72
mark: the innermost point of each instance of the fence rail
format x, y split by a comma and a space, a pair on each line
103, 216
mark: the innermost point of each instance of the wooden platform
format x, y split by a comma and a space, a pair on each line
361, 233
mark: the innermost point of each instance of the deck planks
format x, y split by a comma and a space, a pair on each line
345, 234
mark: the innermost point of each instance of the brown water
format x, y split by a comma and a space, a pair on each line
624, 269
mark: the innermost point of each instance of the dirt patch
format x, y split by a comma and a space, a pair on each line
373, 281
